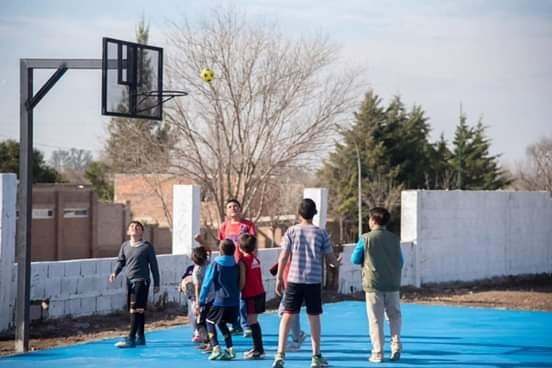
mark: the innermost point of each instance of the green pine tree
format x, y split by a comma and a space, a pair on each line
9, 163
97, 173
473, 166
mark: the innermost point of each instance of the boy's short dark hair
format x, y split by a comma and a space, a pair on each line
307, 209
232, 200
199, 255
380, 215
137, 223
227, 247
248, 243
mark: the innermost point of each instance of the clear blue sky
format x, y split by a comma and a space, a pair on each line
493, 57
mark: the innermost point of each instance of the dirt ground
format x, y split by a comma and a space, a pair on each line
534, 293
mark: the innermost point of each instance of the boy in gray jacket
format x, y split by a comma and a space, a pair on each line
139, 258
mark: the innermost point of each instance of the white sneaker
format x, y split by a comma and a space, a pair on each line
296, 345
376, 358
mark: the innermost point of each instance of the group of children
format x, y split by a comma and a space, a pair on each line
229, 288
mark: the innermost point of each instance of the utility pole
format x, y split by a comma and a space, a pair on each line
359, 191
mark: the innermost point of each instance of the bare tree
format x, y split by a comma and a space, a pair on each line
71, 159
536, 173
271, 107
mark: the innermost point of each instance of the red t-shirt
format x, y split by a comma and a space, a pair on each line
233, 231
253, 276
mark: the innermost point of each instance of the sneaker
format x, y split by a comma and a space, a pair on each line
253, 355
278, 360
396, 348
196, 338
247, 332
205, 348
141, 340
319, 362
229, 354
376, 358
395, 355
236, 331
127, 342
295, 345
216, 353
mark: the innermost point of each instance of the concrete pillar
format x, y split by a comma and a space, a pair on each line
8, 195
186, 218
320, 197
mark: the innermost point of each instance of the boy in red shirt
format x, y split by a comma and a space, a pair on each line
232, 228
253, 293
235, 225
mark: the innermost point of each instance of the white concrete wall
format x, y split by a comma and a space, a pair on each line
80, 287
350, 275
471, 235
8, 189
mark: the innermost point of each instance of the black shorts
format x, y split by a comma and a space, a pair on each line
137, 294
296, 294
256, 304
217, 315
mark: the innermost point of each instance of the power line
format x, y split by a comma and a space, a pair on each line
53, 146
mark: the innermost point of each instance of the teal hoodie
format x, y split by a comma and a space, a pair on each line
224, 275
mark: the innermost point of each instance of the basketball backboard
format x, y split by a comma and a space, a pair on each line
132, 80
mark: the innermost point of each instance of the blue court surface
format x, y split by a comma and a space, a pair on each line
433, 336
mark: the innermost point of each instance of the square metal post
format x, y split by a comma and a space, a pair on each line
23, 246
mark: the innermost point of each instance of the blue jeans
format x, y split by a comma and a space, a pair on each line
241, 322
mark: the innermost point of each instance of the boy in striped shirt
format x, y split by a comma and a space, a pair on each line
306, 243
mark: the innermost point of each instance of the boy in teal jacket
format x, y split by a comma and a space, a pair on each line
379, 254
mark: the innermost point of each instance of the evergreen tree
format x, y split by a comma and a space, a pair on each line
370, 138
441, 173
97, 173
9, 163
473, 166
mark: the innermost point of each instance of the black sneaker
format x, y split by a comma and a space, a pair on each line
141, 340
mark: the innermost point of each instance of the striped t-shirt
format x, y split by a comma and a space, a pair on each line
306, 244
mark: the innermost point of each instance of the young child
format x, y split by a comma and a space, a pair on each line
224, 275
298, 336
379, 253
306, 243
253, 293
202, 260
139, 258
186, 287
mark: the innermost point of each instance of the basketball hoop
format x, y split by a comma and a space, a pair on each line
132, 80
162, 97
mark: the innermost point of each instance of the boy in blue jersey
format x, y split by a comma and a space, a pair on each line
224, 275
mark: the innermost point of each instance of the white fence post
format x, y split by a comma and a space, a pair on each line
320, 197
8, 195
186, 212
